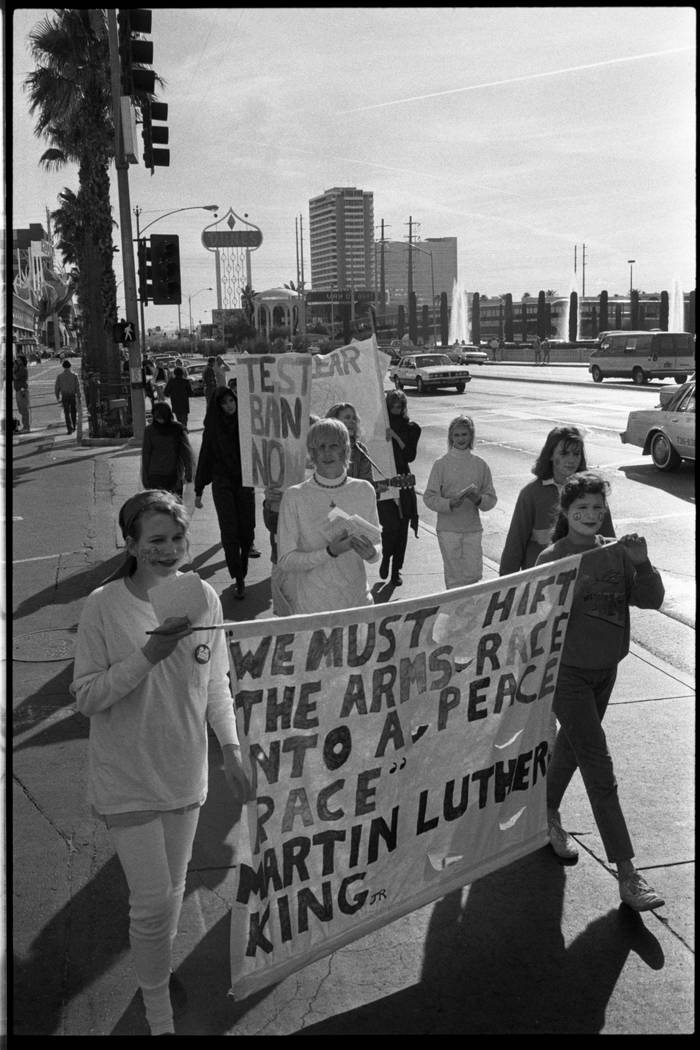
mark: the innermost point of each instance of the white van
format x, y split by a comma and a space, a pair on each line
642, 356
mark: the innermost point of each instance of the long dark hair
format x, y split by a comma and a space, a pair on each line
584, 483
571, 436
130, 515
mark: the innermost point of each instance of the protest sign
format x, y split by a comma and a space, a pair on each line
355, 373
397, 752
273, 410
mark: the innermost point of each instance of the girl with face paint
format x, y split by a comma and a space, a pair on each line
612, 576
148, 697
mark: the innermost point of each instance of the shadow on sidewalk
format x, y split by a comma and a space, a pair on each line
497, 964
69, 588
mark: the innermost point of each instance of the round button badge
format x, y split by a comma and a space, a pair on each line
202, 654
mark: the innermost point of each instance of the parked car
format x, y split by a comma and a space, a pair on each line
195, 372
428, 372
467, 354
666, 433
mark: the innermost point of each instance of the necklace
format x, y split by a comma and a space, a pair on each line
323, 484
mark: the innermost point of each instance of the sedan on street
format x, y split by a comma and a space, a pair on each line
428, 372
194, 374
666, 433
467, 355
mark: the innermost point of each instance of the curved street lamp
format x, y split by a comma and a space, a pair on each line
189, 300
138, 212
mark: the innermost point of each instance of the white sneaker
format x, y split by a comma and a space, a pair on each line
560, 840
637, 894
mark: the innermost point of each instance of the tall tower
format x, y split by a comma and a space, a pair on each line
341, 238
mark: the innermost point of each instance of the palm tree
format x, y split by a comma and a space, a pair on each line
70, 95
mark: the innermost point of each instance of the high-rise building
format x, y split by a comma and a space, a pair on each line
341, 238
434, 266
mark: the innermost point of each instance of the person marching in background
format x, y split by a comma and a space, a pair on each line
167, 460
219, 464
562, 455
396, 514
459, 487
612, 576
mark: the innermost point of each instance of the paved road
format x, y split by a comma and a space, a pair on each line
534, 948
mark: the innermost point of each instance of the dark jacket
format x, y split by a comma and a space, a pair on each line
220, 451
179, 390
409, 432
166, 451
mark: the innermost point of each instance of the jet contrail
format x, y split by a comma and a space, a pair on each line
515, 80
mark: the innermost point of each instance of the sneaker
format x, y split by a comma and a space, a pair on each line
560, 840
253, 552
637, 894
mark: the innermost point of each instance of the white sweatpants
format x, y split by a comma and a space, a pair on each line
154, 857
462, 557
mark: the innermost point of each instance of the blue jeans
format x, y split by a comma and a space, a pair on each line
580, 702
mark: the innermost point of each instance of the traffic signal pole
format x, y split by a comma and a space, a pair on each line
138, 403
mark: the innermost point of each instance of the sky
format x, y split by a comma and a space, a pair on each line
525, 132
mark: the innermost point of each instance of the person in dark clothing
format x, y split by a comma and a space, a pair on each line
166, 456
219, 464
179, 390
395, 515
209, 379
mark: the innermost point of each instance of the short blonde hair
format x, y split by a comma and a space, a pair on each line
461, 421
328, 428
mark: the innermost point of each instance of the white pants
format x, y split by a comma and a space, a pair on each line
154, 857
462, 558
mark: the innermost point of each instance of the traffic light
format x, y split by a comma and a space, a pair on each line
135, 53
145, 271
153, 133
165, 264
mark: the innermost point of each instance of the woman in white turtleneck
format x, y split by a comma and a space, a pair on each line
315, 575
459, 487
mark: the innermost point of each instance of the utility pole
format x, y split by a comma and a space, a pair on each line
410, 255
138, 403
302, 283
583, 271
575, 249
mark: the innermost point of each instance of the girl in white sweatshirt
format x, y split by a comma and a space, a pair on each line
459, 487
149, 689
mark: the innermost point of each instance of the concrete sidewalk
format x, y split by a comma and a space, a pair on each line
533, 948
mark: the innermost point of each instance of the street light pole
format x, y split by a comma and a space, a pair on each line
631, 263
189, 300
426, 251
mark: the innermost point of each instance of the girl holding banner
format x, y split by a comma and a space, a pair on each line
149, 690
321, 570
613, 576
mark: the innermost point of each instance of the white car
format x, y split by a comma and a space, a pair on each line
666, 433
467, 355
428, 372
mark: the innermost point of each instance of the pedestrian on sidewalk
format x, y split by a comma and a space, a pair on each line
536, 344
209, 379
535, 511
612, 576
179, 390
459, 487
149, 698
67, 391
167, 460
398, 508
20, 382
315, 574
545, 352
219, 464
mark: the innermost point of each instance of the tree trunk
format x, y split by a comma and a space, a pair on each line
663, 312
604, 322
476, 319
573, 317
444, 320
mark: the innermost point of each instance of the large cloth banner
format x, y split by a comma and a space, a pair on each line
355, 373
397, 752
273, 408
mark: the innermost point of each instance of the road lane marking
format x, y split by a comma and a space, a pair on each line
44, 557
